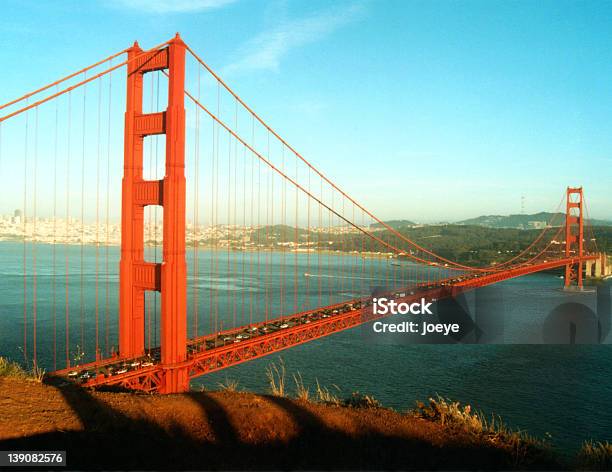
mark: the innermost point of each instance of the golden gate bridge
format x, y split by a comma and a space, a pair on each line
201, 170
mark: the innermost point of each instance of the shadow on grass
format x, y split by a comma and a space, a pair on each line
112, 440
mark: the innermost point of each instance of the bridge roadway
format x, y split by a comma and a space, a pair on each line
211, 353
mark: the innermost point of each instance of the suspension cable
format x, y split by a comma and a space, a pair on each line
83, 82
273, 167
63, 79
297, 154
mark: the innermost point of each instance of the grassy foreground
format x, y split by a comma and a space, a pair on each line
239, 430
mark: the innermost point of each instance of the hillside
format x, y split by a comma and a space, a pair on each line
229, 430
393, 224
521, 221
466, 244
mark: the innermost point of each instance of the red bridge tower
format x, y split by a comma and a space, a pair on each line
135, 274
574, 234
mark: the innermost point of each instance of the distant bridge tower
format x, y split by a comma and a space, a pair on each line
135, 275
574, 234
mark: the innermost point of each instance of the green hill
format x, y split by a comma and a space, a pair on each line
532, 221
395, 224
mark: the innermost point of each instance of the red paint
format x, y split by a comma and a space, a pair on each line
136, 275
574, 235
174, 266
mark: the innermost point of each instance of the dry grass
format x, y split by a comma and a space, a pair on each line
454, 416
301, 392
324, 395
595, 456
13, 369
276, 378
229, 385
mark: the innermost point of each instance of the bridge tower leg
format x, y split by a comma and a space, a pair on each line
135, 274
574, 234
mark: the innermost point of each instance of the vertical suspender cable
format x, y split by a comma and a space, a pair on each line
212, 227
259, 232
244, 230
235, 217
252, 224
67, 231
282, 234
216, 200
307, 298
25, 248
106, 249
35, 217
267, 239
54, 255
99, 139
196, 159
297, 245
216, 212
234, 221
229, 205
82, 289
332, 281
319, 230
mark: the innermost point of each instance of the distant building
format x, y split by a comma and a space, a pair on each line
537, 224
17, 217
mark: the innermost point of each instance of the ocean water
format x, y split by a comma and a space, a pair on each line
547, 390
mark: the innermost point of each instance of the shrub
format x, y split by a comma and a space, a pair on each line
595, 456
452, 415
13, 369
359, 400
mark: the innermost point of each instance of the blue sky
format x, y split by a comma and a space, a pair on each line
426, 110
